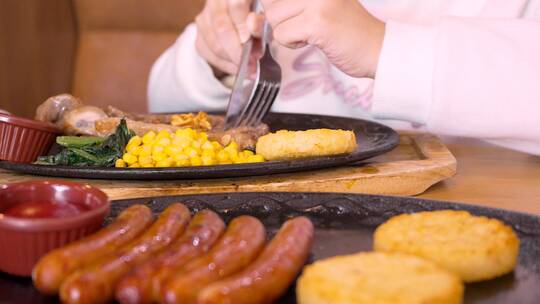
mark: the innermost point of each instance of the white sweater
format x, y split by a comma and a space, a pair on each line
452, 67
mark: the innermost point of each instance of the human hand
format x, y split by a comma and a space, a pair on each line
222, 27
344, 30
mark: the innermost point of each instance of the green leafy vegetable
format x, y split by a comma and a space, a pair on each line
78, 141
101, 152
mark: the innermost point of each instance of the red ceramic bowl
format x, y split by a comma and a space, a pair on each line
23, 140
23, 240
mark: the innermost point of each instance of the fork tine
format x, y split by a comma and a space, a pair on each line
265, 105
274, 91
259, 107
252, 105
267, 85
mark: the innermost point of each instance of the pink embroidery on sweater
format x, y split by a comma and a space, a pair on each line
323, 78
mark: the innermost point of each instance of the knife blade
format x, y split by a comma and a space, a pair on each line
244, 85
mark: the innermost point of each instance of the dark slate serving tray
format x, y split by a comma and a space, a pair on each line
344, 224
372, 138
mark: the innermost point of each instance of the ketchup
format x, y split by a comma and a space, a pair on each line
44, 210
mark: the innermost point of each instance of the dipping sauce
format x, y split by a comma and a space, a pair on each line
45, 210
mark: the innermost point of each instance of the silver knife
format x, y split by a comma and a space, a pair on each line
244, 84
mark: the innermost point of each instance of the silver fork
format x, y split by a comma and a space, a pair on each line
250, 103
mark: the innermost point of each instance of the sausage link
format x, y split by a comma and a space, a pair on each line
53, 268
243, 240
269, 276
143, 285
96, 283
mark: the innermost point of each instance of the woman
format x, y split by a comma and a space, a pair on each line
453, 67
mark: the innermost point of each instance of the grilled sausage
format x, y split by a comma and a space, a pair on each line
52, 269
241, 243
143, 285
96, 283
269, 276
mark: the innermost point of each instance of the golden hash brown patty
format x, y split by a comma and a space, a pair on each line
285, 145
476, 248
378, 278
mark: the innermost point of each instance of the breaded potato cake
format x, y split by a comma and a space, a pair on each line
285, 145
476, 248
378, 278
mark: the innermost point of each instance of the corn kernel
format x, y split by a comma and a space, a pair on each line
180, 133
172, 150
248, 153
207, 152
196, 144
190, 151
255, 158
151, 165
135, 165
146, 160
136, 150
195, 161
181, 142
167, 162
135, 141
208, 160
163, 141
183, 162
203, 136
146, 150
207, 146
233, 154
158, 150
180, 157
149, 137
163, 134
233, 145
240, 160
188, 132
222, 156
129, 158
217, 146
131, 146
120, 163
159, 156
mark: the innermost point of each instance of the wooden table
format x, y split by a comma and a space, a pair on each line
491, 176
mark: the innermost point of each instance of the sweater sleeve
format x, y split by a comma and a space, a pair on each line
466, 77
181, 80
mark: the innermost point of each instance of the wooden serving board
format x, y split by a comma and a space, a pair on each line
419, 161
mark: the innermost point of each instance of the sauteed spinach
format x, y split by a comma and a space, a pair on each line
90, 151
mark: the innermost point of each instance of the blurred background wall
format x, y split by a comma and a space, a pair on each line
99, 50
37, 49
